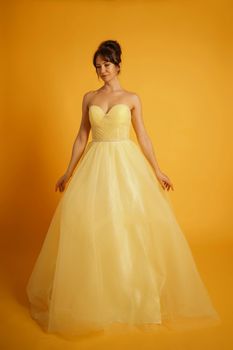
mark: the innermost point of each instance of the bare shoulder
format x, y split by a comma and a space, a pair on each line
88, 95
135, 100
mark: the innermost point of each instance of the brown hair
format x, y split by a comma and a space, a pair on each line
110, 50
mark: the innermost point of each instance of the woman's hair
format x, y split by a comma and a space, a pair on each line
110, 50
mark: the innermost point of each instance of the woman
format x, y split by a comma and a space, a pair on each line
110, 94
114, 252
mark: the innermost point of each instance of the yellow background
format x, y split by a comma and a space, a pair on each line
177, 56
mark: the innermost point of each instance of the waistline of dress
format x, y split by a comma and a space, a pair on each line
112, 140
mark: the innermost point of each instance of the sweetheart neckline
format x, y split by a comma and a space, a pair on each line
117, 104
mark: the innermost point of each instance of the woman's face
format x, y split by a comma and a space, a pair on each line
106, 70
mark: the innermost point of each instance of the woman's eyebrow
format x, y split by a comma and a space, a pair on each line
103, 62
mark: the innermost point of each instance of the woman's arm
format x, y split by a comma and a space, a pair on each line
81, 138
145, 142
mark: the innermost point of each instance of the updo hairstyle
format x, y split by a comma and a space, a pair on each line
110, 50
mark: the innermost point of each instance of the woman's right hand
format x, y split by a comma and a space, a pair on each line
61, 183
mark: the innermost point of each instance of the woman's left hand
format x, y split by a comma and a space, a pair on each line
164, 180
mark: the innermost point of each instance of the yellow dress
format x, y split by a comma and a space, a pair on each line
114, 252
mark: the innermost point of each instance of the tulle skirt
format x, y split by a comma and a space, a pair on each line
115, 254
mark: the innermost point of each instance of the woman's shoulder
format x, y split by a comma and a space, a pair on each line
133, 98
87, 96
132, 95
89, 93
